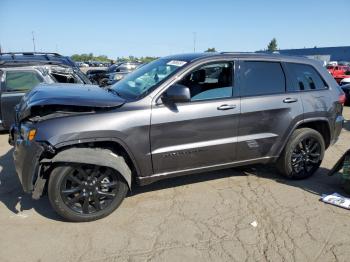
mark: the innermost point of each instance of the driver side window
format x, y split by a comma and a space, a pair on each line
210, 81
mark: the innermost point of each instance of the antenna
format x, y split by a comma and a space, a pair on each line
33, 40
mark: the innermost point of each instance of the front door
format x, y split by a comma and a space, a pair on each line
200, 133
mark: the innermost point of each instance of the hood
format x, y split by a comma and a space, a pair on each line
72, 96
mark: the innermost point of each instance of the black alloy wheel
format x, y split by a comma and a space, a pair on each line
89, 189
302, 155
306, 156
82, 193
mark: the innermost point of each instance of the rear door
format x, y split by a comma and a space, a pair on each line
313, 90
268, 111
14, 85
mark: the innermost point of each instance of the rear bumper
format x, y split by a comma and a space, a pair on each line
2, 128
338, 126
26, 156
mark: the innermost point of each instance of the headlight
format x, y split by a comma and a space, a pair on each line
118, 77
27, 132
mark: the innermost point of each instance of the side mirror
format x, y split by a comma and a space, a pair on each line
177, 94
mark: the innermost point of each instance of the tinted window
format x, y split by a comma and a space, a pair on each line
21, 80
262, 78
211, 81
306, 77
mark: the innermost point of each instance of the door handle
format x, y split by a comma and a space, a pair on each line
290, 100
226, 107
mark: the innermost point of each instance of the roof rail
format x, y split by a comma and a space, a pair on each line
30, 53
237, 52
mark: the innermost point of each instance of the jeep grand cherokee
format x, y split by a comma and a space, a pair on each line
178, 115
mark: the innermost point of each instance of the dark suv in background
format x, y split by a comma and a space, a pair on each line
20, 72
175, 116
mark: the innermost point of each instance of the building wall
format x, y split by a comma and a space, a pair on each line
341, 53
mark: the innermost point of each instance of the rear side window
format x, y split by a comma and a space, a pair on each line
306, 77
262, 78
21, 80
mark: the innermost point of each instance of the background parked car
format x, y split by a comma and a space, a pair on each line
20, 72
339, 78
345, 81
346, 90
106, 77
121, 71
81, 64
338, 72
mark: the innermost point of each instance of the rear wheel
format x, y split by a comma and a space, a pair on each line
302, 155
81, 193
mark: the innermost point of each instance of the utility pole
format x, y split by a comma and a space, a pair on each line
194, 41
33, 40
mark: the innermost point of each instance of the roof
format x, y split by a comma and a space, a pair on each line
243, 55
336, 53
25, 58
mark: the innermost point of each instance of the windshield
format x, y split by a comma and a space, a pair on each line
146, 78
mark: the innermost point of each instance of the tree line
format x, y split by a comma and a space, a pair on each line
104, 58
271, 47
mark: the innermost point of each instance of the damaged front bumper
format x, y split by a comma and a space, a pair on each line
26, 156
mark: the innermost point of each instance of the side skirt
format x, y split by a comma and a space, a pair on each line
156, 177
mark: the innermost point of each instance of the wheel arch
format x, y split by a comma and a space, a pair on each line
112, 145
116, 145
94, 156
321, 125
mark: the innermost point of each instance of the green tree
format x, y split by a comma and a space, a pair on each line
210, 49
272, 46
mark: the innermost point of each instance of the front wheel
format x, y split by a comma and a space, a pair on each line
302, 155
82, 193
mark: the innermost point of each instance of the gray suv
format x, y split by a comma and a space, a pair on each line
178, 115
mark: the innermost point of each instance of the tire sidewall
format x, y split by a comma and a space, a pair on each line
302, 134
57, 176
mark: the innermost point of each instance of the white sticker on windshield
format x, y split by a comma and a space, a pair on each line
176, 63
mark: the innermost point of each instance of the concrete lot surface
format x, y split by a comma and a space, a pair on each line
246, 214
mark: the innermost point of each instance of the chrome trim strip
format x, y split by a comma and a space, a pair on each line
165, 174
195, 145
222, 141
256, 137
12, 94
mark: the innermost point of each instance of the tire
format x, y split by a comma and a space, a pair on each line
103, 82
70, 186
302, 155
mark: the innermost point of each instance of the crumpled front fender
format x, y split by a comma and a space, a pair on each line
94, 156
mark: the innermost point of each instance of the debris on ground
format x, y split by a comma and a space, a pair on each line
337, 200
254, 223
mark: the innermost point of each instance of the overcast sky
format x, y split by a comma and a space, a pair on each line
162, 27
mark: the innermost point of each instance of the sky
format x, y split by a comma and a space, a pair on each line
163, 27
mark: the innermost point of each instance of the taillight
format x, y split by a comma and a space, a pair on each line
342, 99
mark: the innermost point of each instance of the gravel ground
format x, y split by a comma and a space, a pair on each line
246, 214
